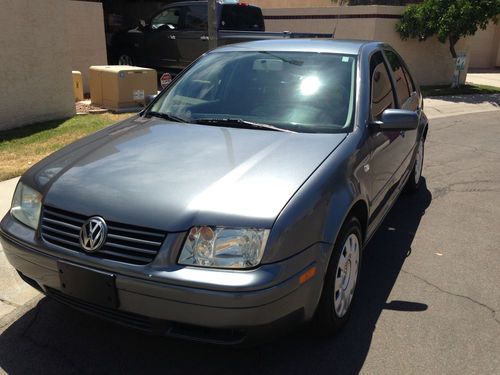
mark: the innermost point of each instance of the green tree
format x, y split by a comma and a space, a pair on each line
449, 20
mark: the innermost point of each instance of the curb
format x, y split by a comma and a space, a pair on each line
11, 317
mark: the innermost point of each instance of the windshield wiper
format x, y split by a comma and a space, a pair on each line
239, 123
165, 116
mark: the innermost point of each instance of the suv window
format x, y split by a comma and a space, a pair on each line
196, 18
239, 17
167, 20
402, 85
382, 94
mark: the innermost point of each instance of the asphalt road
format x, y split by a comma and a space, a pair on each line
427, 301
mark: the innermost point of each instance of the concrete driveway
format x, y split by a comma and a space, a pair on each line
427, 303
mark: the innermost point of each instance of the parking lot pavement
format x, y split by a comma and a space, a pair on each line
428, 300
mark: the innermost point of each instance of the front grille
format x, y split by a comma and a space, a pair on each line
133, 320
150, 325
124, 243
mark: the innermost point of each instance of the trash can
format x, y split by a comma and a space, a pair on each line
121, 87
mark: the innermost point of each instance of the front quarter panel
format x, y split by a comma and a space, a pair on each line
317, 211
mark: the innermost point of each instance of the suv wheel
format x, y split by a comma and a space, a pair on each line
125, 59
341, 280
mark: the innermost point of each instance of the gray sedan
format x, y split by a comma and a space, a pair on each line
240, 199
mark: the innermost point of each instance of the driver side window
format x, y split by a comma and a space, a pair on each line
169, 19
382, 93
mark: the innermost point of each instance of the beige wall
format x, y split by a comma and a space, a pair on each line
41, 42
485, 48
35, 73
85, 31
430, 61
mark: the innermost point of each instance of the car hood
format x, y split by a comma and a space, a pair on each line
170, 176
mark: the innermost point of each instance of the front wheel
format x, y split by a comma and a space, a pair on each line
125, 59
341, 280
415, 178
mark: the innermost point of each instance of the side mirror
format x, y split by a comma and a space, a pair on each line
148, 99
398, 119
142, 24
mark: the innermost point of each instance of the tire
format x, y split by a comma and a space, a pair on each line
341, 280
415, 179
125, 59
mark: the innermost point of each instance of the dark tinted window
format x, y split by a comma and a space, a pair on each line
167, 19
196, 18
382, 93
402, 87
241, 17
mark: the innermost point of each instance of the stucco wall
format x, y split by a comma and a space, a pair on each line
485, 48
430, 61
85, 32
35, 67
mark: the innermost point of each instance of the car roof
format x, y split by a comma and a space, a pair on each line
347, 47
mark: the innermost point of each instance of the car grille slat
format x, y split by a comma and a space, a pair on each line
130, 248
61, 223
151, 233
61, 232
124, 243
137, 240
115, 254
65, 218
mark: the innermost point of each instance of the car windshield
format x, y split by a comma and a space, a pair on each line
297, 91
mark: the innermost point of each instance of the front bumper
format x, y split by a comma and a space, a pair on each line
158, 300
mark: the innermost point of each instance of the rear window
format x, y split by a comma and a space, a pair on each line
241, 17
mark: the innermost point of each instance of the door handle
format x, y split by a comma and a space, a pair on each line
204, 37
172, 37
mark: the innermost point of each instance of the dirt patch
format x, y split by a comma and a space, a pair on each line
85, 106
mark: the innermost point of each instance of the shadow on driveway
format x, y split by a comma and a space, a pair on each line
52, 338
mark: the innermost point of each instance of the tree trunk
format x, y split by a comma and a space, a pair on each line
453, 42
212, 24
456, 73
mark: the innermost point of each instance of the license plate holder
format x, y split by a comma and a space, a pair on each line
97, 287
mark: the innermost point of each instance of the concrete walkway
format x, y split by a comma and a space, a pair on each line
487, 77
445, 106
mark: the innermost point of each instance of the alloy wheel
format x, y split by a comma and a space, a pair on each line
346, 275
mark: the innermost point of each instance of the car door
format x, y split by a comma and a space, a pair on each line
386, 146
193, 38
160, 40
408, 98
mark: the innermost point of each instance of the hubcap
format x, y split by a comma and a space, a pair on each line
125, 60
419, 161
346, 275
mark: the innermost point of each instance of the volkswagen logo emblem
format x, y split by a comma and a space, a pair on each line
93, 234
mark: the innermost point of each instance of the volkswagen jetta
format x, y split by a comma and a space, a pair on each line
241, 197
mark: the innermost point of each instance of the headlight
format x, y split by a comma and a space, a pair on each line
26, 205
224, 247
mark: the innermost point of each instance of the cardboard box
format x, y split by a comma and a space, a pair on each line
77, 85
119, 86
